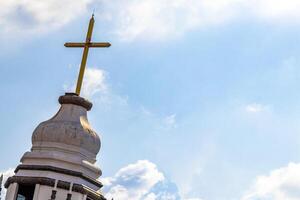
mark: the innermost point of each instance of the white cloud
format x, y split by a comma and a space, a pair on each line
280, 184
141, 181
255, 108
150, 196
32, 16
276, 11
170, 121
165, 19
133, 181
6, 174
94, 82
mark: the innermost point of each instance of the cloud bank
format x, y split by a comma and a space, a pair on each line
163, 19
166, 19
280, 184
143, 19
34, 16
143, 181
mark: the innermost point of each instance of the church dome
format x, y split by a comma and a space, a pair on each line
69, 129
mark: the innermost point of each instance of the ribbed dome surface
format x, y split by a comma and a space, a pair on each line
69, 126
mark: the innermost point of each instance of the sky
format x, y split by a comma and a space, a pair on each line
194, 100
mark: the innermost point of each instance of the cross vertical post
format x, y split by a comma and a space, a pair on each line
85, 55
88, 44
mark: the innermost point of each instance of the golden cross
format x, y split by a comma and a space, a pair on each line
86, 45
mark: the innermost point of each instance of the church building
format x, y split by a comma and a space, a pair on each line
61, 163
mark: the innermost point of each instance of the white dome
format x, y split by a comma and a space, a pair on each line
66, 140
69, 126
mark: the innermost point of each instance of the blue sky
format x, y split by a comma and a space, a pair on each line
202, 96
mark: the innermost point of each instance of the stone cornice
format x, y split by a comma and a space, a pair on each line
29, 181
60, 170
25, 180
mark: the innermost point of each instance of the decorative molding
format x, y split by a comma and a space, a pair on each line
29, 181
90, 193
73, 98
64, 185
59, 170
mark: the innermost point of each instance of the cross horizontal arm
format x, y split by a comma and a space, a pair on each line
74, 44
92, 44
99, 44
